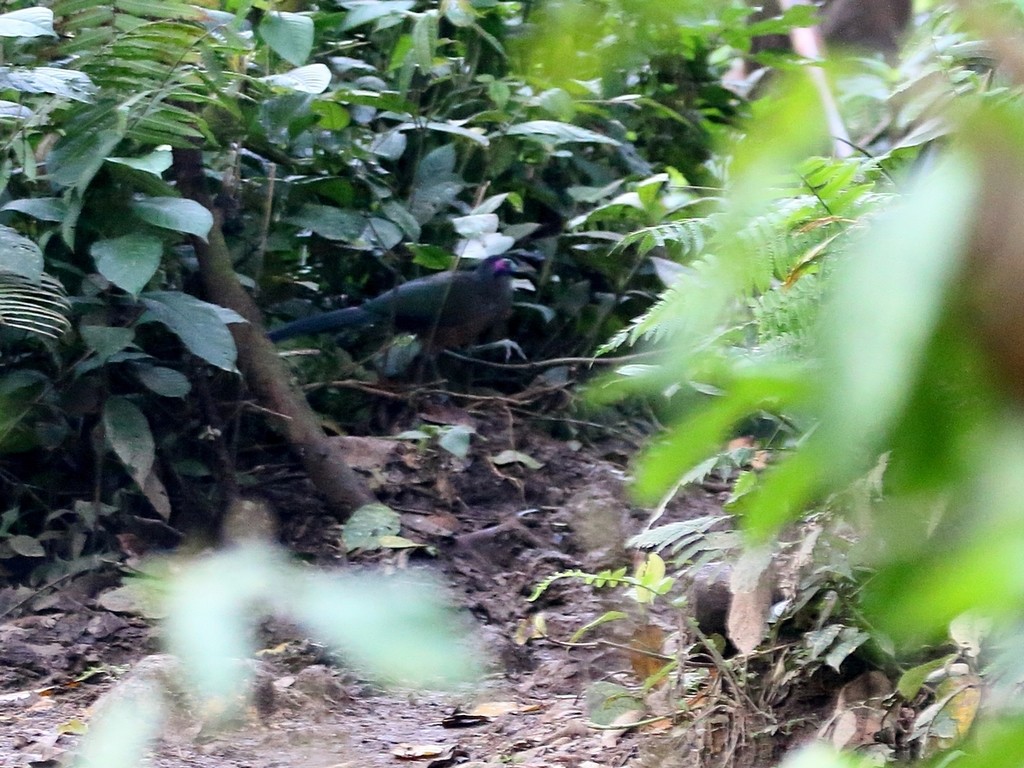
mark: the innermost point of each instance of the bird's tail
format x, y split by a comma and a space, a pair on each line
325, 323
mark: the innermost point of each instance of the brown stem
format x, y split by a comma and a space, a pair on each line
262, 369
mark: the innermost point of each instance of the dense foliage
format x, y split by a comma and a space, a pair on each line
346, 146
859, 311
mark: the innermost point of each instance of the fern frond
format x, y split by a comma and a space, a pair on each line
40, 307
684, 238
676, 534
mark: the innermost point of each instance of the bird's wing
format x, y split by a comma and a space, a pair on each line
445, 299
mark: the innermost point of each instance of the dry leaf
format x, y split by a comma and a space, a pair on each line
405, 751
651, 639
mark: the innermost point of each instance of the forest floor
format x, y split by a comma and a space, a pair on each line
497, 528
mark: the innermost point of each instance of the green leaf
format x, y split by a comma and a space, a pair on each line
11, 110
886, 302
424, 40
42, 208
459, 12
28, 22
289, 35
328, 222
105, 341
69, 83
165, 382
910, 682
176, 214
26, 546
19, 255
365, 12
128, 262
333, 116
127, 434
390, 144
367, 524
450, 127
430, 256
554, 132
398, 629
200, 326
312, 78
156, 162
516, 457
456, 440
77, 157
608, 703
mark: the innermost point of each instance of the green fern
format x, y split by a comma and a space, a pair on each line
40, 307
148, 57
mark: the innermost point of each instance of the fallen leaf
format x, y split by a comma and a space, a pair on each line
406, 751
397, 542
515, 457
74, 727
499, 708
647, 640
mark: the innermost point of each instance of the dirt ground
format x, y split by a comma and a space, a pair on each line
498, 526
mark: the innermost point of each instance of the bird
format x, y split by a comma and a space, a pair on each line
445, 310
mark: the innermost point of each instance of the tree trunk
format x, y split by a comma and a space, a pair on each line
266, 375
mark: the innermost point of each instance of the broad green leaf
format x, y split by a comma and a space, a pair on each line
449, 127
313, 79
382, 233
437, 164
128, 262
554, 132
11, 110
367, 524
390, 144
510, 456
200, 326
127, 434
175, 213
476, 225
209, 617
156, 162
28, 22
910, 682
399, 630
19, 396
887, 297
456, 440
430, 256
26, 546
459, 12
609, 703
289, 35
19, 255
371, 10
42, 208
333, 116
400, 215
106, 341
165, 382
424, 40
69, 83
328, 222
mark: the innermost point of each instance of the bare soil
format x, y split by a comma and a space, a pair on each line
497, 526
